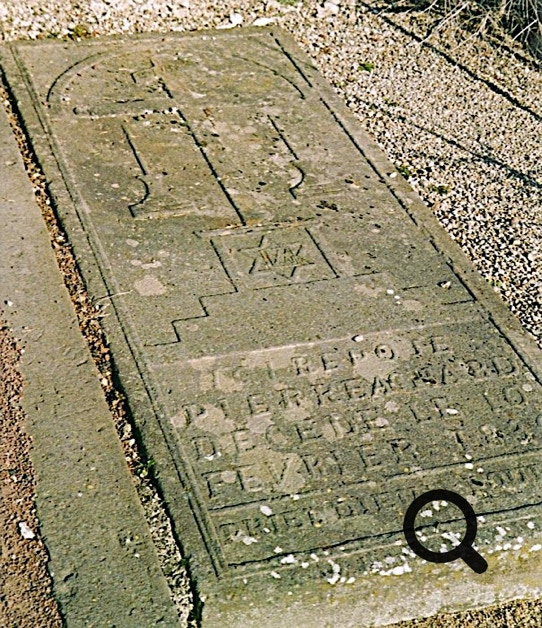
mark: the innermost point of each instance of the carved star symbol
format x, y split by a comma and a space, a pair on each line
279, 258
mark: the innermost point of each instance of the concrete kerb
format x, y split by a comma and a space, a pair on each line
104, 566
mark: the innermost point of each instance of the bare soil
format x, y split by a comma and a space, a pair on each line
25, 585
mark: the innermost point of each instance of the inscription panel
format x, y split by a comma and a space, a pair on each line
318, 433
301, 357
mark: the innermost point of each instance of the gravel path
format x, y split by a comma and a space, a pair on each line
459, 117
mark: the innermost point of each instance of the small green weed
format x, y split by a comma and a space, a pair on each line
80, 31
405, 171
367, 66
440, 189
144, 469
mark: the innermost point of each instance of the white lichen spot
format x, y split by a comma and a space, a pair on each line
358, 338
278, 550
536, 548
468, 456
391, 406
396, 571
295, 497
314, 558
149, 286
275, 575
336, 571
381, 421
304, 565
452, 411
132, 243
451, 536
351, 580
469, 465
426, 513
480, 470
530, 525
527, 387
154, 264
390, 291
210, 457
265, 510
288, 560
501, 530
248, 540
228, 476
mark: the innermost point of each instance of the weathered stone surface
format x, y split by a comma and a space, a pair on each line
304, 349
104, 566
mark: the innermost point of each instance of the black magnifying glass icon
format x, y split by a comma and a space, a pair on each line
464, 550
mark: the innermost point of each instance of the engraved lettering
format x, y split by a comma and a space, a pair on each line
309, 429
244, 440
222, 484
301, 365
330, 362
257, 404
205, 447
193, 412
322, 467
384, 352
250, 481
291, 397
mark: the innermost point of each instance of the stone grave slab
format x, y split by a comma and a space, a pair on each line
304, 349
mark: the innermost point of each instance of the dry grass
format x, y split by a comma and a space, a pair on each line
520, 20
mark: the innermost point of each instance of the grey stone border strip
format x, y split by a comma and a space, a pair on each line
104, 566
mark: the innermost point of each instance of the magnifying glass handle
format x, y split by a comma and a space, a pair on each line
473, 559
